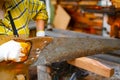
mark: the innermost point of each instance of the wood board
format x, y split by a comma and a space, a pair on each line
61, 19
93, 66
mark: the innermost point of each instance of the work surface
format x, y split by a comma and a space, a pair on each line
110, 59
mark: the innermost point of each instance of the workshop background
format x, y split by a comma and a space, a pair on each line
95, 17
88, 16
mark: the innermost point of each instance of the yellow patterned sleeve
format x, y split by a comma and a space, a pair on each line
38, 10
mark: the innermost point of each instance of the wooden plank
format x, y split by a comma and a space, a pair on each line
62, 18
92, 65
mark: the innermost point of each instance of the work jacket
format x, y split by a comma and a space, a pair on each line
22, 12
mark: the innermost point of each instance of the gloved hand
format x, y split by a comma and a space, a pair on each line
12, 50
40, 33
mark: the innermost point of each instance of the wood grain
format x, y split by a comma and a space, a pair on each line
93, 66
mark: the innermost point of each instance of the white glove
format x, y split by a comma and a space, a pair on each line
11, 50
40, 33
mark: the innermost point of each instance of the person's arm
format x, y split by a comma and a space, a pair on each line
39, 15
41, 18
40, 27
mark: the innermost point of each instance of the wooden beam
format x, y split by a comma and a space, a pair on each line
92, 66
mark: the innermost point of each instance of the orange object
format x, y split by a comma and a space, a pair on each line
25, 49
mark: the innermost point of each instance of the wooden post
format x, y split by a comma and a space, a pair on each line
42, 73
